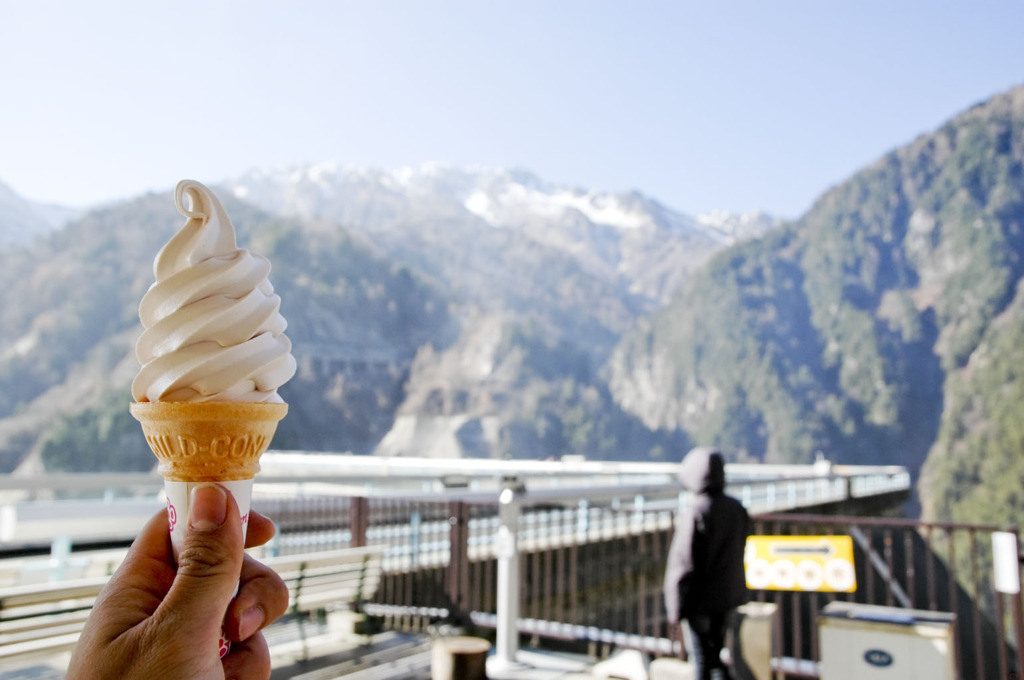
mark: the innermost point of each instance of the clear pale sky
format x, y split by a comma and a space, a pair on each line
701, 104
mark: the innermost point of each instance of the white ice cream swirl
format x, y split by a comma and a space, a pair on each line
213, 329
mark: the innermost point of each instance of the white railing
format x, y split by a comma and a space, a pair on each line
556, 517
560, 502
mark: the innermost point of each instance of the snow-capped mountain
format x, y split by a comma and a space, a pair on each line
436, 213
501, 197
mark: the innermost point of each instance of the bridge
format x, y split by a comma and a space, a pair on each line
567, 553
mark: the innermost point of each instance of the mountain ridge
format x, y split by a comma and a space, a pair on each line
431, 215
286, 189
23, 220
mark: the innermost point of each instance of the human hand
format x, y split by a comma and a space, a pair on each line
154, 621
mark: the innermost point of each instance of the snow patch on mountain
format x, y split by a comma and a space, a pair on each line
596, 207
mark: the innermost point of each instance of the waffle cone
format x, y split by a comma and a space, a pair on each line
208, 441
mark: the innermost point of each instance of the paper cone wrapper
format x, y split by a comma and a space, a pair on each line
208, 441
179, 496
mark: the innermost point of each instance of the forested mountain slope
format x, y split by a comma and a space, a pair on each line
882, 326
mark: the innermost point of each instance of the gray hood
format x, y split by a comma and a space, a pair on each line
703, 470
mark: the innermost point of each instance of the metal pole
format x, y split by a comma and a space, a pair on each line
1018, 620
358, 520
507, 544
458, 564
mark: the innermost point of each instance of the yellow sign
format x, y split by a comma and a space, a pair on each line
809, 563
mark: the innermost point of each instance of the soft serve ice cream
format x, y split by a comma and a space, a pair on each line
214, 331
213, 354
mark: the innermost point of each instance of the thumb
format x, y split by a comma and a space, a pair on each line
210, 560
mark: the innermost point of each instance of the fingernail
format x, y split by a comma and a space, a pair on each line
209, 507
250, 622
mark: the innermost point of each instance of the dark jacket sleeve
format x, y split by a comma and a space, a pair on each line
680, 563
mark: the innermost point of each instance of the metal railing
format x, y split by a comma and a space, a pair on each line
589, 573
416, 529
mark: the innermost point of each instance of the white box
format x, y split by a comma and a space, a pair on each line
872, 642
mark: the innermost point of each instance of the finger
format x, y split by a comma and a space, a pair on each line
262, 598
149, 556
209, 561
261, 529
249, 660
138, 586
147, 569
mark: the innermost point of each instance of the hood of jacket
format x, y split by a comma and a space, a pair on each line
703, 470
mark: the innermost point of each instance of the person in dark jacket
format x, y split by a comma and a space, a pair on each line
704, 578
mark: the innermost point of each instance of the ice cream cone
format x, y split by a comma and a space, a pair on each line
208, 441
198, 442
